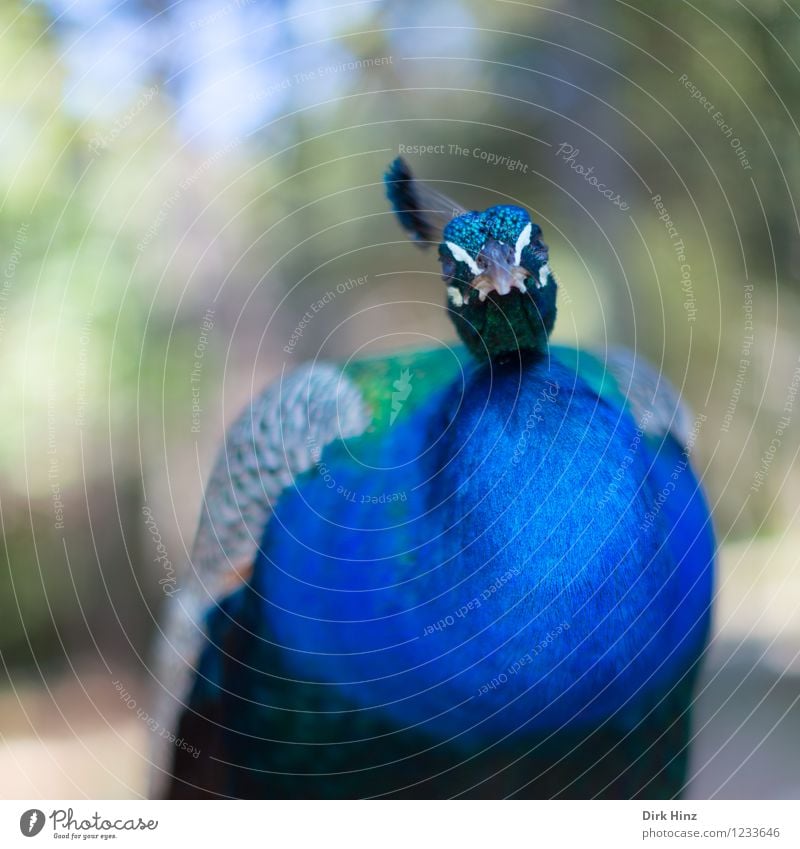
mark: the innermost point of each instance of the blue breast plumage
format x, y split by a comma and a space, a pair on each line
497, 498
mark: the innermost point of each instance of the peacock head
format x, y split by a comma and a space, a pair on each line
501, 293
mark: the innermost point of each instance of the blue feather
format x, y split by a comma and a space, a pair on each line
353, 589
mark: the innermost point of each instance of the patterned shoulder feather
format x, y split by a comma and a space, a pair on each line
278, 436
626, 379
654, 402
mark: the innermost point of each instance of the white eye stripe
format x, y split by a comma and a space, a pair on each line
544, 273
522, 240
460, 255
455, 296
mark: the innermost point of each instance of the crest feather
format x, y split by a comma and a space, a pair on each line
422, 211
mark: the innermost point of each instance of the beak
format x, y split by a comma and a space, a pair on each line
500, 273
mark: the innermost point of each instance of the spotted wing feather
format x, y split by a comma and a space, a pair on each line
278, 436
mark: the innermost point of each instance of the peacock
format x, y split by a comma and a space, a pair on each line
481, 570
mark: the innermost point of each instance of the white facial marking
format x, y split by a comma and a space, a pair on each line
460, 255
522, 240
544, 272
455, 296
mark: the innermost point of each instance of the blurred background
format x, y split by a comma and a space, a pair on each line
181, 181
